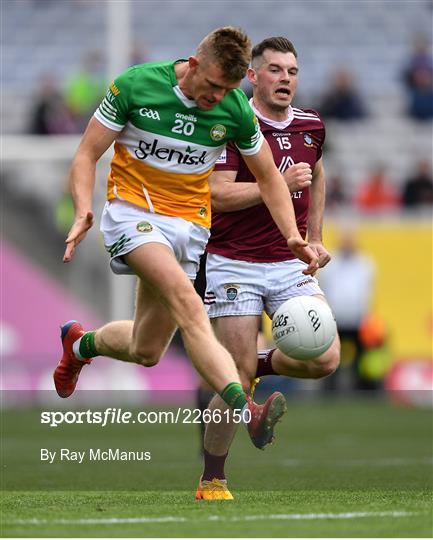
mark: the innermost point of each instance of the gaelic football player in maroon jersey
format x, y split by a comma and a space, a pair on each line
249, 268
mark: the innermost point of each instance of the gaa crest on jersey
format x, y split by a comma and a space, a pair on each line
218, 132
231, 291
308, 141
144, 227
152, 114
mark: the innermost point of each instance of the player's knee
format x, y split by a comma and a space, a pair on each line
145, 356
326, 364
187, 309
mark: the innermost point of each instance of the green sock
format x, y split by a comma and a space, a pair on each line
87, 347
234, 395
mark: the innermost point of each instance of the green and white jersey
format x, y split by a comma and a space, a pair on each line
167, 146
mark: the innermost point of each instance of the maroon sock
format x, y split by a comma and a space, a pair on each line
213, 466
264, 363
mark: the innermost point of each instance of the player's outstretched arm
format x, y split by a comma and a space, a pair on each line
95, 141
315, 214
229, 195
276, 196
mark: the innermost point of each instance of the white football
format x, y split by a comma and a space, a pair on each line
303, 327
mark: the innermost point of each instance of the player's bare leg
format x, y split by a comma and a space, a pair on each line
165, 299
144, 340
242, 339
205, 394
316, 368
157, 266
239, 335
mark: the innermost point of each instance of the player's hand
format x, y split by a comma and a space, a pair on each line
76, 234
322, 253
298, 176
303, 251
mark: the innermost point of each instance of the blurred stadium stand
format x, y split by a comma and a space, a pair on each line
41, 37
373, 38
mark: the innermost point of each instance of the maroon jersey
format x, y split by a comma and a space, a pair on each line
251, 234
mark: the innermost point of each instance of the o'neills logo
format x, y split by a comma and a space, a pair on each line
188, 157
305, 282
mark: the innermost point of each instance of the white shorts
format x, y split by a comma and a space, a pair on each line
246, 288
126, 226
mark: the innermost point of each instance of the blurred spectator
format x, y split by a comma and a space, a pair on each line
138, 54
418, 78
85, 89
335, 193
418, 189
376, 359
420, 60
347, 282
377, 192
342, 101
421, 96
49, 114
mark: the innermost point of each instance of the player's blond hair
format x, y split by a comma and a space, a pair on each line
279, 43
230, 49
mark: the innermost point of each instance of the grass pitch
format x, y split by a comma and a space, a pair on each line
339, 468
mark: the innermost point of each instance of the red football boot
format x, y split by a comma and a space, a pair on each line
264, 417
68, 370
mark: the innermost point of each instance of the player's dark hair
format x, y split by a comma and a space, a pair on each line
280, 44
230, 49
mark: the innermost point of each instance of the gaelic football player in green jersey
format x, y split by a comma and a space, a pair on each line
169, 122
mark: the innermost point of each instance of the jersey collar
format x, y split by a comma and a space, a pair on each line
189, 103
277, 125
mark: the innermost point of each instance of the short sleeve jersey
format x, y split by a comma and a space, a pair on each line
251, 234
167, 146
